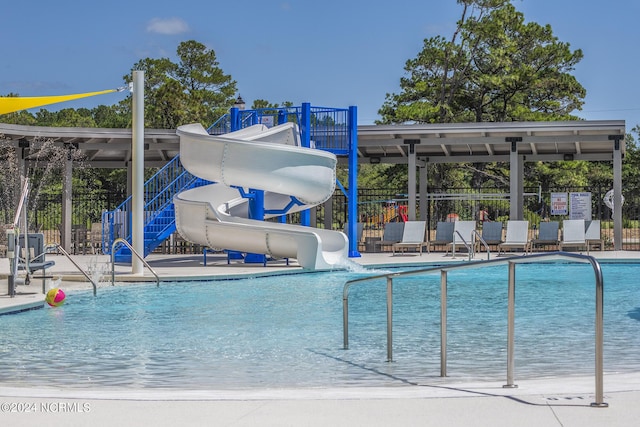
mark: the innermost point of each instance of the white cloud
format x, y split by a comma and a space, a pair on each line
167, 26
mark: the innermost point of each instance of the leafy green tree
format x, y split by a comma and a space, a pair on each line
495, 67
193, 90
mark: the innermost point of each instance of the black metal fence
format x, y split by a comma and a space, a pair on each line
376, 207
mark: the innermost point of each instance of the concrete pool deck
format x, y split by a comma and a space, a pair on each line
540, 402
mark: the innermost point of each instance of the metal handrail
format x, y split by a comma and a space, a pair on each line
464, 242
475, 235
133, 251
65, 253
510, 315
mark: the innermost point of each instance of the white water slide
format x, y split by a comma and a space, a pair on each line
260, 158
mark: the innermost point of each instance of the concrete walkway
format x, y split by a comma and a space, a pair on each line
542, 402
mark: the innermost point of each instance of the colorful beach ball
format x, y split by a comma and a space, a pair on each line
55, 297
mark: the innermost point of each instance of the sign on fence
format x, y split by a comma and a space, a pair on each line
559, 204
580, 206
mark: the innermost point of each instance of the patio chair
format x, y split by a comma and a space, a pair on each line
547, 235
517, 236
444, 235
33, 256
491, 234
462, 236
592, 234
412, 237
392, 234
573, 234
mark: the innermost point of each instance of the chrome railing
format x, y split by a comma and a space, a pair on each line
65, 253
133, 251
475, 237
465, 244
510, 314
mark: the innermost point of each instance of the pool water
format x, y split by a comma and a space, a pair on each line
286, 331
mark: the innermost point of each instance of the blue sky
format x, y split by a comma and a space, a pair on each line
329, 53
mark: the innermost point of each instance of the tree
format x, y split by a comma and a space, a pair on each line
495, 67
193, 90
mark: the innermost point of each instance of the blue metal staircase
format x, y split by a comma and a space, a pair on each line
159, 221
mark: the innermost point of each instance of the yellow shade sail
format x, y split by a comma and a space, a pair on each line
11, 104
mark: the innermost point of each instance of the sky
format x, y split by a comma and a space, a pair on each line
328, 53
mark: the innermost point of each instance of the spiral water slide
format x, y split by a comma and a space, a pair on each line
292, 177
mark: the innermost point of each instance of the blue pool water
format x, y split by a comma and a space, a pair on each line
286, 331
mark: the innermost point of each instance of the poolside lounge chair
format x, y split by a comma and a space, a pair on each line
547, 235
35, 255
392, 234
573, 234
491, 234
412, 237
444, 235
462, 235
517, 236
592, 234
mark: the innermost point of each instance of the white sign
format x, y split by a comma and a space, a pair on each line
580, 206
267, 121
559, 204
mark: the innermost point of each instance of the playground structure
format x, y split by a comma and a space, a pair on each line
319, 133
283, 177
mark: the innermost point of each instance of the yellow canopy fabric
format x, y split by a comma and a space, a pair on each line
9, 104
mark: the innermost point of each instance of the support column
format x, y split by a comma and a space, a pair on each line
617, 192
422, 189
411, 173
352, 192
67, 206
305, 124
516, 179
137, 182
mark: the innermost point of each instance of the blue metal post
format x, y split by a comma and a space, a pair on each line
256, 211
282, 117
305, 124
352, 207
234, 119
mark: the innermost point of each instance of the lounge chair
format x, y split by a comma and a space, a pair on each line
392, 234
34, 259
444, 235
412, 237
462, 235
491, 234
592, 234
517, 236
547, 235
573, 234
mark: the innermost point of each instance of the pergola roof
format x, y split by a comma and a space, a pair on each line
435, 143
488, 142
103, 147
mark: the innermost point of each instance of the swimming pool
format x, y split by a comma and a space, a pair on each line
286, 331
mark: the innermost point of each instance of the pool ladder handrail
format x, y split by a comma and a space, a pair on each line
65, 253
464, 242
599, 323
133, 251
475, 235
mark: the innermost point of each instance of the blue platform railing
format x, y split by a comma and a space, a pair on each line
329, 127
